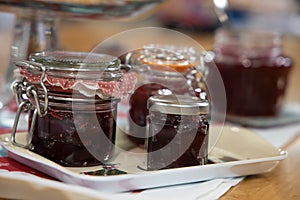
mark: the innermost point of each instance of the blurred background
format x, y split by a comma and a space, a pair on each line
195, 18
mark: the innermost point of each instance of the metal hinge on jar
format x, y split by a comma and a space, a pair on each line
27, 98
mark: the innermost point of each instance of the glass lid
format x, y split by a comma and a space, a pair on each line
75, 61
71, 65
90, 74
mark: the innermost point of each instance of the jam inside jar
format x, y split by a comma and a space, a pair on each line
254, 71
72, 99
178, 132
76, 134
161, 70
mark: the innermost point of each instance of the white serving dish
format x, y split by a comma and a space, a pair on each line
238, 152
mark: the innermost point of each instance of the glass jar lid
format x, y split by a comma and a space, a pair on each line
178, 104
78, 65
88, 73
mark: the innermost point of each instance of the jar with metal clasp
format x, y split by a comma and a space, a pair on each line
72, 100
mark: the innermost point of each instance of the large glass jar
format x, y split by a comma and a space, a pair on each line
161, 70
178, 132
72, 100
254, 70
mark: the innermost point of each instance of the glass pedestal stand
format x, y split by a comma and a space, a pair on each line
35, 30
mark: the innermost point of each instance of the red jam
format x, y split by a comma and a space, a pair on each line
76, 137
178, 132
138, 107
195, 154
166, 73
254, 71
255, 91
76, 96
138, 111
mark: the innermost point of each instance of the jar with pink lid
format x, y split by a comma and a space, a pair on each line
72, 100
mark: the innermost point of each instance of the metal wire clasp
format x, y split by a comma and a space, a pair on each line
27, 98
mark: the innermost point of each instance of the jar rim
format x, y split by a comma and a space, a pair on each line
248, 43
75, 61
178, 104
169, 57
248, 37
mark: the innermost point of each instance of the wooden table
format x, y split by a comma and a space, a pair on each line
281, 183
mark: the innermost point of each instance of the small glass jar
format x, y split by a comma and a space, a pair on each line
178, 132
254, 71
72, 99
162, 70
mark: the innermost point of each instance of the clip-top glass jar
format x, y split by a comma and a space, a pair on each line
162, 70
254, 70
72, 100
178, 132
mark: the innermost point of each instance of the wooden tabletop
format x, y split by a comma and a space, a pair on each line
281, 183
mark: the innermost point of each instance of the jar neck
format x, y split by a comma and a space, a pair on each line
83, 106
247, 44
73, 96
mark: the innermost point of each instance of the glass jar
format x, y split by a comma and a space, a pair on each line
254, 70
178, 132
72, 99
162, 70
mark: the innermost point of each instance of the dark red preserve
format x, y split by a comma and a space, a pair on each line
178, 132
72, 100
254, 71
162, 70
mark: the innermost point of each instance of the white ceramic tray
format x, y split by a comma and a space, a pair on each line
238, 152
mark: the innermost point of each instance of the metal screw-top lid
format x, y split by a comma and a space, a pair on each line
178, 105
